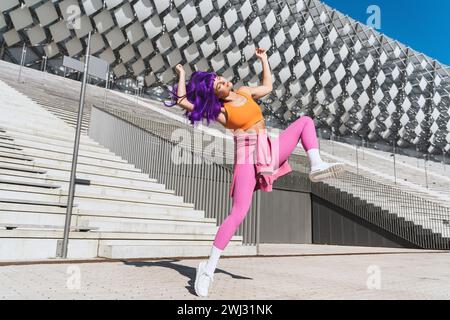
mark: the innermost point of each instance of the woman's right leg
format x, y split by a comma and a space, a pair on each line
242, 197
303, 130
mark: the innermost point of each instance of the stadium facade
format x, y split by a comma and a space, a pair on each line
355, 81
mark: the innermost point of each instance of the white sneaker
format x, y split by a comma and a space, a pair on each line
326, 170
203, 280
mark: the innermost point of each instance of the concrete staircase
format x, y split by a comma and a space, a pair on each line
427, 209
122, 213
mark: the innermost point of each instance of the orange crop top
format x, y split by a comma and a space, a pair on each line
243, 117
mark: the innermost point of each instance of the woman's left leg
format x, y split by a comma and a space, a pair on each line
304, 130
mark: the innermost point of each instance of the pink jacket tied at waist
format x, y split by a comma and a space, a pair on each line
259, 149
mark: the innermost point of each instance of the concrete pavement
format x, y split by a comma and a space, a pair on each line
311, 272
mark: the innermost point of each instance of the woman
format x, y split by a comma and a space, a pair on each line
211, 96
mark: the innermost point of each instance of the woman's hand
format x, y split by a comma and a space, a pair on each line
180, 70
261, 53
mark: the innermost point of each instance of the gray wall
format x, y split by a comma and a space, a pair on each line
285, 217
336, 226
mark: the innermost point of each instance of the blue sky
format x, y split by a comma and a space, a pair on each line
421, 25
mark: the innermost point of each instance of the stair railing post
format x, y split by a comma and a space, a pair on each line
22, 60
395, 167
362, 147
63, 251
258, 220
106, 89
332, 144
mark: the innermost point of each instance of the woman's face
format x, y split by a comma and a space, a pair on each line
222, 87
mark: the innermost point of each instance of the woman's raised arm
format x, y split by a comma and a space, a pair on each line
181, 91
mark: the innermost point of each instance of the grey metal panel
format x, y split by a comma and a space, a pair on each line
333, 225
285, 217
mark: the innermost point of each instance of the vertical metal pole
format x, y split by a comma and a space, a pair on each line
44, 64
24, 50
357, 162
332, 144
443, 158
395, 169
136, 93
258, 219
426, 175
417, 156
106, 88
362, 147
75, 154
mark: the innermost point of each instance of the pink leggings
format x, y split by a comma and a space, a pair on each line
302, 129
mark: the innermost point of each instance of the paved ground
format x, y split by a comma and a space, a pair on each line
315, 274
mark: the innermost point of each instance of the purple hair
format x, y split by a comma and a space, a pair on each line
199, 92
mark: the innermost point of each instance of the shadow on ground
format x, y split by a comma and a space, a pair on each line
188, 272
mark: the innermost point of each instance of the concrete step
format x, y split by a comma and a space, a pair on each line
23, 176
124, 193
18, 101
65, 114
122, 184
33, 110
28, 183
21, 245
166, 250
24, 226
86, 172
73, 122
105, 205
55, 165
107, 224
89, 197
14, 248
47, 132
45, 154
55, 108
31, 133
146, 226
145, 216
8, 146
26, 146
30, 193
40, 156
42, 120
112, 237
14, 161
34, 208
23, 168
106, 167
11, 155
34, 202
57, 145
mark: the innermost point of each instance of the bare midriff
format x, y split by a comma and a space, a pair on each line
254, 128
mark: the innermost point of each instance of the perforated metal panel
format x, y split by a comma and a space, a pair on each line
351, 79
